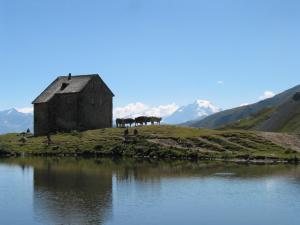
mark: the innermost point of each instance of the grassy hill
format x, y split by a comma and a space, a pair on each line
159, 142
244, 113
284, 118
251, 122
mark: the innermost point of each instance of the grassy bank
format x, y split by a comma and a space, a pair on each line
155, 142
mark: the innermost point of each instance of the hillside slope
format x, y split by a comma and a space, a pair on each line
227, 117
252, 122
160, 142
284, 118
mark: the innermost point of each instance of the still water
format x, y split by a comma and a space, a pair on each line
125, 192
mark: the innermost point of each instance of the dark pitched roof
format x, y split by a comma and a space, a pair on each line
75, 85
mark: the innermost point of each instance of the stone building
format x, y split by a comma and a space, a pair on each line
81, 102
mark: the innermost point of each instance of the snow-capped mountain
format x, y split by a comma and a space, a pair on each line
195, 111
14, 121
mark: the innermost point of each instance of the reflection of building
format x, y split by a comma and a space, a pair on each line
72, 195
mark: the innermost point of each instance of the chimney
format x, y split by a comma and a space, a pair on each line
70, 76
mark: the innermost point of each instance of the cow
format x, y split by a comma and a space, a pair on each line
154, 120
129, 121
120, 123
140, 121
144, 120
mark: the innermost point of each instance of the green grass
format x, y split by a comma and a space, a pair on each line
152, 142
252, 121
293, 125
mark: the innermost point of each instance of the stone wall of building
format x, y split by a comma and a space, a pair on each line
92, 108
41, 119
63, 112
95, 106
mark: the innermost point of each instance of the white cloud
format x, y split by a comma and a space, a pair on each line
220, 82
25, 110
132, 110
140, 109
267, 94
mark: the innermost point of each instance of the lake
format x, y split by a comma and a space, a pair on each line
42, 191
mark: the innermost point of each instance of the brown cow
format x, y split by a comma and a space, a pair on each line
155, 120
121, 123
140, 120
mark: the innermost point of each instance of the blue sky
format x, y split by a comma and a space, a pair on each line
151, 51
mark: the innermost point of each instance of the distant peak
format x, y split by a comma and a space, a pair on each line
17, 111
10, 111
196, 110
202, 102
207, 104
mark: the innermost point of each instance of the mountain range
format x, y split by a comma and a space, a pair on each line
279, 113
14, 121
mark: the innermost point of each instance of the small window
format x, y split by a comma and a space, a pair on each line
63, 86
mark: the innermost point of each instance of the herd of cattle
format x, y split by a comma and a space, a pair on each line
142, 120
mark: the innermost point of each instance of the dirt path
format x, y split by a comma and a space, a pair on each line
284, 140
172, 143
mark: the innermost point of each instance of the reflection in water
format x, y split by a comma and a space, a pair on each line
128, 192
71, 193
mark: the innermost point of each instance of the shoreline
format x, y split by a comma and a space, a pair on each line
268, 161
